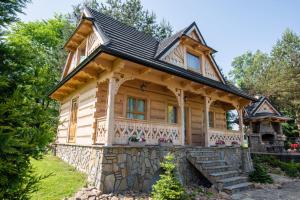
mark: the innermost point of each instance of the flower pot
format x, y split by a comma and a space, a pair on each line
221, 145
165, 144
136, 144
236, 145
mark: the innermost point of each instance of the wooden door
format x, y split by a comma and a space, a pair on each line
73, 120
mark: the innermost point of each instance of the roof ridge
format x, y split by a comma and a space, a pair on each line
123, 23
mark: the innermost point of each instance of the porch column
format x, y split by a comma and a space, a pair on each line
241, 125
110, 112
206, 120
181, 105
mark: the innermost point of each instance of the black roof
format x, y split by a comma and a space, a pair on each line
251, 109
128, 43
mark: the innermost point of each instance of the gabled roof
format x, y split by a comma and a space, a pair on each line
252, 110
128, 43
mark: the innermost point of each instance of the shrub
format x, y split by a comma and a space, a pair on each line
260, 175
168, 186
291, 169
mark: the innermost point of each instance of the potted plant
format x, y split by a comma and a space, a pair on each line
165, 142
235, 144
136, 141
220, 143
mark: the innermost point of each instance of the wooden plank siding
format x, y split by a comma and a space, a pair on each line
157, 99
85, 115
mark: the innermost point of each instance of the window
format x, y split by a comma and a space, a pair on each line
193, 62
136, 108
172, 114
211, 120
81, 52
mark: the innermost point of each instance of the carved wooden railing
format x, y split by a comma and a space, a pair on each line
151, 131
101, 130
226, 135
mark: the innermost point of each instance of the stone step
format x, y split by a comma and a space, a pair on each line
211, 163
238, 187
223, 175
232, 180
204, 153
216, 169
206, 158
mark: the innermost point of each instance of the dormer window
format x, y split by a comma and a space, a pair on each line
81, 55
193, 62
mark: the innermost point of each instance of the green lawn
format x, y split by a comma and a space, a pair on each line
64, 181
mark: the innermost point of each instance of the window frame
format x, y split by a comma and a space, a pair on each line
211, 120
135, 108
176, 114
82, 46
200, 62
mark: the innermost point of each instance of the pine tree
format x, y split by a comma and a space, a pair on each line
168, 186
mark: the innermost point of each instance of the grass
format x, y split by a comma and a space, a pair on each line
64, 180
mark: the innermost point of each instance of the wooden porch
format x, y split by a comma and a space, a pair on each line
193, 102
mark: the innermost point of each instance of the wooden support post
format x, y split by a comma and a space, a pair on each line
206, 120
241, 125
110, 112
181, 105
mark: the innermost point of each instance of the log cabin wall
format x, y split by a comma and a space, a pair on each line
219, 117
101, 104
85, 116
157, 99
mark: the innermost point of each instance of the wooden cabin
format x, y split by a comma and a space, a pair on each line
264, 126
118, 82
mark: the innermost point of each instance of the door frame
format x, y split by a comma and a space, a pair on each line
73, 123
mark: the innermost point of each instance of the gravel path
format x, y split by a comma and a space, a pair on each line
285, 189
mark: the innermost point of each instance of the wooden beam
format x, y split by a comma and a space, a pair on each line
209, 91
70, 85
185, 83
65, 90
80, 36
104, 64
118, 65
167, 77
145, 71
221, 94
91, 72
74, 43
81, 79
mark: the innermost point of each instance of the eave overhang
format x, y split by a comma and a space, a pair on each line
80, 33
165, 67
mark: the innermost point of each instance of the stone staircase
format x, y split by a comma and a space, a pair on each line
223, 176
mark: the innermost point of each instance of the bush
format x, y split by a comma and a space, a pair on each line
168, 186
260, 174
291, 169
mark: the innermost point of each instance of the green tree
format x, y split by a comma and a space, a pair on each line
130, 12
249, 70
275, 75
9, 10
168, 186
28, 119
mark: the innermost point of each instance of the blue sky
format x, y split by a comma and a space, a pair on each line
232, 27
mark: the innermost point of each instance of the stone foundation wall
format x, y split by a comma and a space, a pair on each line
120, 168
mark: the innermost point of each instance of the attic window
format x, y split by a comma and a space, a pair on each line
193, 62
81, 55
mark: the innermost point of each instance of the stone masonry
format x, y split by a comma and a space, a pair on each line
123, 168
